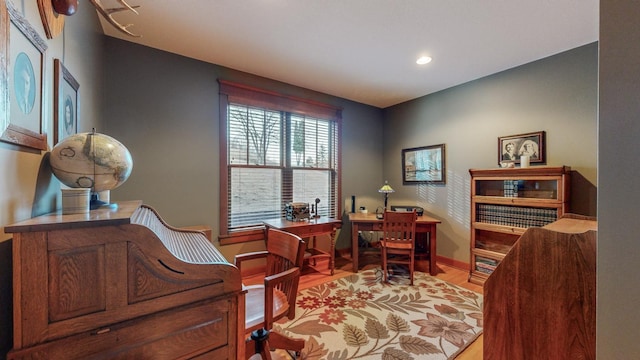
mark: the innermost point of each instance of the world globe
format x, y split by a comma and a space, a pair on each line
91, 160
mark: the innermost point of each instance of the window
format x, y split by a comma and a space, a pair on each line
275, 150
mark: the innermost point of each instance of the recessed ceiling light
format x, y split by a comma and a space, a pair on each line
423, 60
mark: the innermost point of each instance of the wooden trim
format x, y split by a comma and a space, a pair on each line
249, 95
453, 263
223, 168
256, 234
530, 171
277, 101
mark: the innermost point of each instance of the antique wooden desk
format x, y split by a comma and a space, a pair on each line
369, 222
118, 282
310, 229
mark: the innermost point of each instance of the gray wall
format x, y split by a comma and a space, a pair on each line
167, 115
557, 94
27, 187
618, 170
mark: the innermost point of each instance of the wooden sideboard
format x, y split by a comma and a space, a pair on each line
121, 283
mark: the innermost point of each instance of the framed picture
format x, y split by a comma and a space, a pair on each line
23, 53
66, 103
424, 165
510, 148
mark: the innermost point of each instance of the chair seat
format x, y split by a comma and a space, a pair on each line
405, 245
254, 300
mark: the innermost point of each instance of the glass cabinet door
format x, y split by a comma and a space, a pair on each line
523, 188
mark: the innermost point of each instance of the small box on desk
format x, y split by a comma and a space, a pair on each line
419, 210
297, 211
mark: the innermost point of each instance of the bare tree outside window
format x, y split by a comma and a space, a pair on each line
257, 129
298, 141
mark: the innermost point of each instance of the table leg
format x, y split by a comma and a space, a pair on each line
354, 246
433, 270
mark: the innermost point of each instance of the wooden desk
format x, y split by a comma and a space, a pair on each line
310, 229
369, 222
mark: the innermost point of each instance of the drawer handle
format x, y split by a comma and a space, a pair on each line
102, 331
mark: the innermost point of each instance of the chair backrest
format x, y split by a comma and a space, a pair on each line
286, 251
399, 226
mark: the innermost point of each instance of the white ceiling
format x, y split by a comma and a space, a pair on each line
363, 50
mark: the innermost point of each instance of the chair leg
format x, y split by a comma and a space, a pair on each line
384, 264
411, 272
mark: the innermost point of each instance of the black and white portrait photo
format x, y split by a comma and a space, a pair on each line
24, 83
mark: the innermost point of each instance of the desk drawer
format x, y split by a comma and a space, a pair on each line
189, 330
370, 226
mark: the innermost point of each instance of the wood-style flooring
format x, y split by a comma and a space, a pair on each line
311, 277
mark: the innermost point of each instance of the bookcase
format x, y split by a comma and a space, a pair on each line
507, 201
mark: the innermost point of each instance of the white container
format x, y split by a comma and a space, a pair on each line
75, 201
524, 161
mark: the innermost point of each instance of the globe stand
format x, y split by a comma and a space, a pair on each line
96, 203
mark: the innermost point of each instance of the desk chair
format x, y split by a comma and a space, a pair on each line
398, 242
276, 298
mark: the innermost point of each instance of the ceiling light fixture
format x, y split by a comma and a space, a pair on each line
423, 60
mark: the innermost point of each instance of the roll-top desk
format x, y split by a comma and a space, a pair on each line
121, 283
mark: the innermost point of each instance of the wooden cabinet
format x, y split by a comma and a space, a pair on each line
505, 203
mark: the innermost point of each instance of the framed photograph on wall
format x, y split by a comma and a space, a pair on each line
23, 52
511, 148
424, 165
66, 102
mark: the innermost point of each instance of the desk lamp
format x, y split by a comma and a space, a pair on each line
386, 189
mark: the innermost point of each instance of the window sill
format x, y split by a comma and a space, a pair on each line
254, 234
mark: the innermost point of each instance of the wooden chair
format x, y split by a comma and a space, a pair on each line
398, 242
276, 298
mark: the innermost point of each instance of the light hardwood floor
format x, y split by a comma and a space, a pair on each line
311, 277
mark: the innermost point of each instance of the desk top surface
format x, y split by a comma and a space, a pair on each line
118, 214
371, 218
281, 223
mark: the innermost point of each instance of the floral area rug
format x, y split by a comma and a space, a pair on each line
360, 317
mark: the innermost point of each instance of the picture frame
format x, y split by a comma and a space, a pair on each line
424, 165
66, 102
23, 52
4, 73
510, 148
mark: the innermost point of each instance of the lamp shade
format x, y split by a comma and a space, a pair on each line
386, 188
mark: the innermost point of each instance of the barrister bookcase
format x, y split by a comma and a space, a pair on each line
505, 202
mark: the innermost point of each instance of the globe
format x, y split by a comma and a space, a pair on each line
91, 160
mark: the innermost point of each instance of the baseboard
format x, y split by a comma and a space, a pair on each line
461, 265
453, 263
